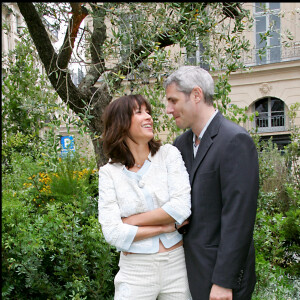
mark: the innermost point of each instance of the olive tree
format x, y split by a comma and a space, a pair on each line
118, 42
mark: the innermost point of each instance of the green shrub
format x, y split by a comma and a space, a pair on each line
277, 230
273, 283
59, 254
277, 255
273, 179
74, 180
52, 244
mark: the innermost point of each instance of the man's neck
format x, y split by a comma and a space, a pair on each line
204, 117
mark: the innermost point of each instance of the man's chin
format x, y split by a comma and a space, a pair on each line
180, 125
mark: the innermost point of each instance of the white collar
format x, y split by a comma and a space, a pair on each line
205, 127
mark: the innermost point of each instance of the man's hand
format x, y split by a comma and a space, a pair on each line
220, 293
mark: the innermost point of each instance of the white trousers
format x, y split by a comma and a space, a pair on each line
159, 276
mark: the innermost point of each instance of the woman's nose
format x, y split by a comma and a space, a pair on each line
147, 115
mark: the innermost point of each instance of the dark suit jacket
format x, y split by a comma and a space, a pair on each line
224, 178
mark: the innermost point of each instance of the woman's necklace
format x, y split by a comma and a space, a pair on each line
140, 165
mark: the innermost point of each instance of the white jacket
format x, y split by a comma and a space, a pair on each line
162, 182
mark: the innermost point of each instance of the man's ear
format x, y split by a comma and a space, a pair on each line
197, 94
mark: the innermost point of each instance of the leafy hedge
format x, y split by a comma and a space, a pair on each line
277, 227
54, 248
55, 255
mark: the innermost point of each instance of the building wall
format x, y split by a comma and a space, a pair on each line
280, 80
12, 18
273, 80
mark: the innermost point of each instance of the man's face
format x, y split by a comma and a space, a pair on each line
180, 106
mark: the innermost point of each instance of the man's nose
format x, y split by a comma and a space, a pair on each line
170, 109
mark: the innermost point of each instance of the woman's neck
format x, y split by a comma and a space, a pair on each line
140, 152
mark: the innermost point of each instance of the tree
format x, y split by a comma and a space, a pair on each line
129, 40
28, 100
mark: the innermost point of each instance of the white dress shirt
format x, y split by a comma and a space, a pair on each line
195, 147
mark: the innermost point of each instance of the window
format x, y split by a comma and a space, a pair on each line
267, 19
270, 115
195, 56
18, 24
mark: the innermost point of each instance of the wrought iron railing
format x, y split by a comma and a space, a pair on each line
282, 54
266, 122
256, 56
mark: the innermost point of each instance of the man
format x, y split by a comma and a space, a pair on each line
221, 159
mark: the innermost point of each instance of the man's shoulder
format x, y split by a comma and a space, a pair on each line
233, 127
182, 139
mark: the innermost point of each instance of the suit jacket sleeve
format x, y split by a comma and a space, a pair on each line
239, 188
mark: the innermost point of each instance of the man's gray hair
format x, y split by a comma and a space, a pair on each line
188, 77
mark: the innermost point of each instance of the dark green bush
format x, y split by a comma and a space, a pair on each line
277, 228
52, 244
59, 254
53, 248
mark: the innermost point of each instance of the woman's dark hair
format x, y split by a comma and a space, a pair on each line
117, 122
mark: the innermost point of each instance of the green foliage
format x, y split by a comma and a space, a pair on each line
277, 228
60, 254
293, 149
273, 282
277, 238
27, 100
52, 246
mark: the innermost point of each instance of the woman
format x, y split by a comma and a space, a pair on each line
144, 192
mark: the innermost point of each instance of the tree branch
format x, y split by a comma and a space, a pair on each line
96, 48
60, 79
78, 14
38, 34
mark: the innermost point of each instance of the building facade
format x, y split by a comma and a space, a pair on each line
272, 85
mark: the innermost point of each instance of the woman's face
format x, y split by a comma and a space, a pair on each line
141, 128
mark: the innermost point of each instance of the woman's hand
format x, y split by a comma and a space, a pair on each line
167, 228
128, 220
186, 222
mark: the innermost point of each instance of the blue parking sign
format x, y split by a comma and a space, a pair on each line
67, 145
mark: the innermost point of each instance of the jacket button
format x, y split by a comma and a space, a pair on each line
141, 183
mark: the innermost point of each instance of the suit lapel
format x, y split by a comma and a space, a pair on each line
205, 144
188, 151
